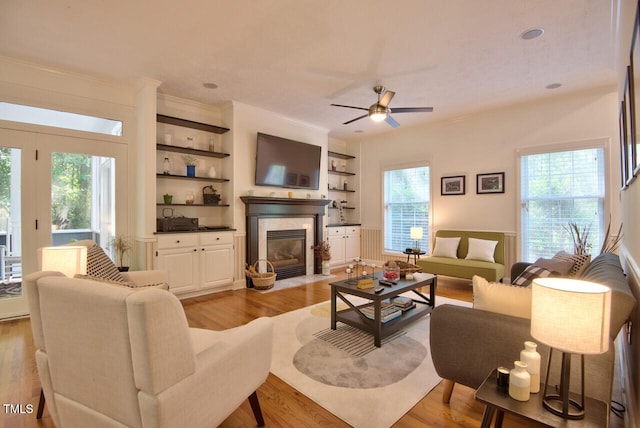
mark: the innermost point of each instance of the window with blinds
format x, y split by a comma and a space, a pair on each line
558, 188
406, 205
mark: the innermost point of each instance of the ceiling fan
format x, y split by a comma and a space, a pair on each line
381, 111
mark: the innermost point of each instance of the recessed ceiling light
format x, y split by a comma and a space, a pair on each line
210, 85
553, 85
532, 33
358, 131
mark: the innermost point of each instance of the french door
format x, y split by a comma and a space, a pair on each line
54, 189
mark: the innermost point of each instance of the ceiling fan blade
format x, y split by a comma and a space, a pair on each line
412, 109
341, 105
357, 118
386, 99
391, 121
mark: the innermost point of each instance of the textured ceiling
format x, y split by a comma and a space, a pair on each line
295, 57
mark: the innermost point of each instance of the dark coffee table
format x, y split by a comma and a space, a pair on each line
354, 317
596, 411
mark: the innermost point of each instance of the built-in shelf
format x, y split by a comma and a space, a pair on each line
342, 190
194, 152
191, 124
341, 172
191, 205
340, 155
184, 177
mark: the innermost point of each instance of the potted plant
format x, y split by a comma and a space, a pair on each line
191, 163
121, 246
322, 251
167, 198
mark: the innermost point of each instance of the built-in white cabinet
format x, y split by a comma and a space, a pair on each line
345, 244
196, 262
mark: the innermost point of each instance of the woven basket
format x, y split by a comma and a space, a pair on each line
264, 280
209, 197
406, 268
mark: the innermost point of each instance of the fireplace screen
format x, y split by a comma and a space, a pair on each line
286, 250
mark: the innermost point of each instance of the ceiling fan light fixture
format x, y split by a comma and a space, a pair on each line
377, 113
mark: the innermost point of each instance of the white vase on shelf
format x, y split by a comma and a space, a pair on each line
519, 382
531, 356
212, 172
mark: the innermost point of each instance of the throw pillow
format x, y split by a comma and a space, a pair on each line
481, 249
580, 262
161, 285
99, 265
446, 247
560, 266
530, 273
501, 298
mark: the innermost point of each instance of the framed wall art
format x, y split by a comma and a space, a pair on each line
634, 83
629, 127
490, 183
622, 123
454, 185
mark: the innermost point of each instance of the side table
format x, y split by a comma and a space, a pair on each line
497, 400
415, 255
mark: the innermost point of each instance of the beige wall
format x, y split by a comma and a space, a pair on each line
489, 142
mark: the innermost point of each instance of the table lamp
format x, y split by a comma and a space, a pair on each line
70, 260
571, 316
416, 234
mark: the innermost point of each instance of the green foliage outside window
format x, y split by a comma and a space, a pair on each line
71, 191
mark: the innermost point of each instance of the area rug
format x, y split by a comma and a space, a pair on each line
373, 389
11, 289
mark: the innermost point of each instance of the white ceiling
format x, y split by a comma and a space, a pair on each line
295, 57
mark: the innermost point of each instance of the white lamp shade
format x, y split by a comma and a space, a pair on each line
70, 260
571, 315
416, 233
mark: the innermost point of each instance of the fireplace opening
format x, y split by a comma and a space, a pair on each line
286, 250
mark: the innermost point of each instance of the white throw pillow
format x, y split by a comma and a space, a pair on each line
446, 247
501, 298
481, 249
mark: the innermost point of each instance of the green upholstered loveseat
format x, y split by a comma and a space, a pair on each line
462, 268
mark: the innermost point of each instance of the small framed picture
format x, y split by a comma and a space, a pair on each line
452, 185
490, 183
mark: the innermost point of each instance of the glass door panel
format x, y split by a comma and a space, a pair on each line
10, 223
82, 198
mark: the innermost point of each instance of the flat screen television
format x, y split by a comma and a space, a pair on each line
287, 163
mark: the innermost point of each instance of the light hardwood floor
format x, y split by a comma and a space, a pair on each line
282, 405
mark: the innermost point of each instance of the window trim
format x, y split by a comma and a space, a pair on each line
603, 143
396, 166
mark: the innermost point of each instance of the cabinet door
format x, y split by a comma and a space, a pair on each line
216, 265
337, 249
352, 246
182, 265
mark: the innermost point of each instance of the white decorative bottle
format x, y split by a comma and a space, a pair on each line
531, 356
519, 382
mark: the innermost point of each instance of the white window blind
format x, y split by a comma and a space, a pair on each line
406, 205
558, 188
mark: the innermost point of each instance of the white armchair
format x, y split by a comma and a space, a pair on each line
115, 356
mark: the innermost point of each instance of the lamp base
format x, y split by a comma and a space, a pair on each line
554, 404
560, 404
